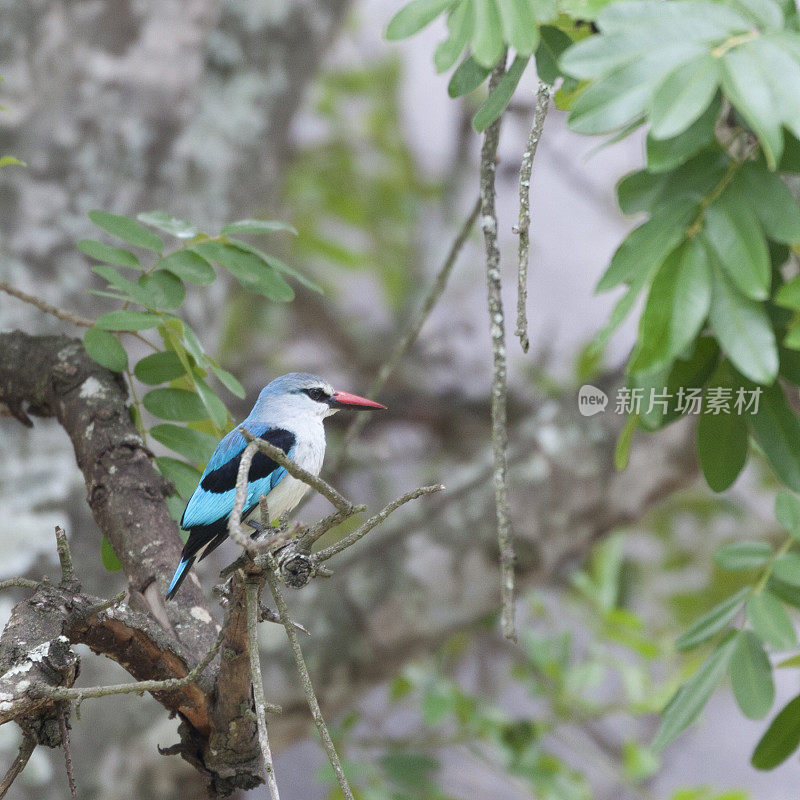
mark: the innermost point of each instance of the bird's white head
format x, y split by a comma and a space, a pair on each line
301, 395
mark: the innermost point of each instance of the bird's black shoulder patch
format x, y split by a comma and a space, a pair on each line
223, 478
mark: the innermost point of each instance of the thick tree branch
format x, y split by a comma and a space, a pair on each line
53, 376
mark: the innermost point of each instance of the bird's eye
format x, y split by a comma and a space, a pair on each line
317, 394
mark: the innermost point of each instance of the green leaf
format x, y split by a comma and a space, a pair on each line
165, 222
722, 437
647, 246
9, 161
666, 154
777, 429
772, 202
733, 231
622, 450
468, 76
676, 308
788, 296
487, 35
162, 289
215, 407
258, 226
596, 56
765, 13
249, 269
690, 699
779, 56
189, 266
552, 43
228, 381
751, 676
744, 331
624, 95
126, 229
104, 348
787, 512
498, 99
414, 16
746, 82
519, 26
683, 96
159, 368
193, 445
177, 405
781, 739
129, 289
128, 321
278, 265
108, 556
409, 770
770, 621
459, 22
108, 254
787, 569
184, 476
713, 621
739, 556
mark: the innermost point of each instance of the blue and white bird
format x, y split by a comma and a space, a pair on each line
288, 414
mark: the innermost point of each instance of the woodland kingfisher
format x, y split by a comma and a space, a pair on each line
288, 414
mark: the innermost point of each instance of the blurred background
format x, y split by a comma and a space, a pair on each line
301, 111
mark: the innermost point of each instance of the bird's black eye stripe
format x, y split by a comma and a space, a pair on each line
317, 394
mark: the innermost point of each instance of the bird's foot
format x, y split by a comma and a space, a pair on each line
258, 529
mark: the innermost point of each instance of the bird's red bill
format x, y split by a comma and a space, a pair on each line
348, 400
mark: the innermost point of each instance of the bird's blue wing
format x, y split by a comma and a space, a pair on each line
213, 498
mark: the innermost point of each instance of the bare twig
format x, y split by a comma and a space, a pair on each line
499, 379
63, 713
22, 583
412, 331
26, 749
252, 592
308, 689
363, 530
64, 555
338, 500
542, 104
67, 316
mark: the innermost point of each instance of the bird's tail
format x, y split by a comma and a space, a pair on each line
180, 573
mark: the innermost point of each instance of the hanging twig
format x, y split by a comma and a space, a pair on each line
412, 331
251, 593
63, 713
67, 316
308, 689
526, 168
26, 749
499, 377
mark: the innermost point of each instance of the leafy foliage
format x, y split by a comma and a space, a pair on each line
743, 629
486, 30
151, 291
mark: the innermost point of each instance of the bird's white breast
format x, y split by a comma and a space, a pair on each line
309, 451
